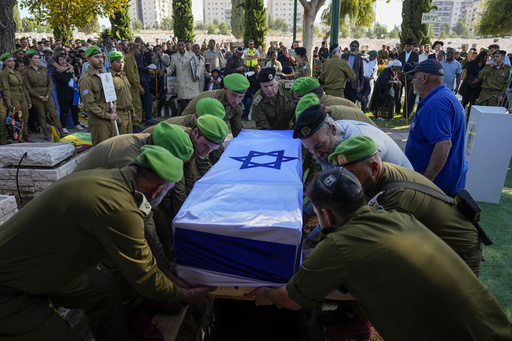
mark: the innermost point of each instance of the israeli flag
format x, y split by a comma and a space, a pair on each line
241, 225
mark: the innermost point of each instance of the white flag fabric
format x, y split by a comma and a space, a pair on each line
241, 225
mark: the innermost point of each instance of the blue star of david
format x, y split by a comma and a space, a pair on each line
248, 163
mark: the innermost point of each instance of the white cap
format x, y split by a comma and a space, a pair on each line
152, 66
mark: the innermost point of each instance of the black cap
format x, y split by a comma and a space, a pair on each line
339, 183
309, 121
288, 70
430, 66
266, 74
409, 41
437, 43
501, 52
300, 51
333, 46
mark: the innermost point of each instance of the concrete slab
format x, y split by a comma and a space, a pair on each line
38, 154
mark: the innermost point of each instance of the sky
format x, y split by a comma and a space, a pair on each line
388, 14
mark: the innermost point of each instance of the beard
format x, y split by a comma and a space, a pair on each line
323, 159
158, 199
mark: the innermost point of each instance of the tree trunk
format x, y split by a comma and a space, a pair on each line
7, 26
310, 10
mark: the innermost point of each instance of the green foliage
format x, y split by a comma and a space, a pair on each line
496, 18
353, 12
120, 24
395, 32
461, 30
93, 26
445, 30
211, 29
17, 18
166, 24
237, 18
156, 26
148, 27
201, 27
411, 20
255, 22
137, 25
216, 22
223, 29
183, 19
278, 24
59, 32
344, 31
357, 32
380, 31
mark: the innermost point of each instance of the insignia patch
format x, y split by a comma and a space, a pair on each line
328, 181
258, 99
341, 160
85, 92
270, 76
305, 131
288, 85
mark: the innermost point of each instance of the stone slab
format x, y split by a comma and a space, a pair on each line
38, 154
8, 207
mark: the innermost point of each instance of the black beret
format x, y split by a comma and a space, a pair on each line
266, 74
288, 70
300, 51
309, 121
333, 46
339, 183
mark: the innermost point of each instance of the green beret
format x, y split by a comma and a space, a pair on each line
372, 53
306, 102
16, 51
305, 85
353, 150
309, 121
174, 139
212, 128
31, 52
115, 55
236, 82
210, 106
23, 38
5, 56
92, 50
162, 162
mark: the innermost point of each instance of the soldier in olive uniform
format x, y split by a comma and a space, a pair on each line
124, 107
497, 79
14, 91
40, 87
3, 127
102, 116
382, 260
305, 85
273, 107
235, 87
303, 68
335, 73
44, 261
136, 90
359, 155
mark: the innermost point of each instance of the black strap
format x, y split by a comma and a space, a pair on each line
420, 188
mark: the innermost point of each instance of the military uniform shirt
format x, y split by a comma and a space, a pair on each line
91, 92
122, 86
407, 282
329, 101
13, 82
37, 82
276, 113
100, 214
233, 115
335, 73
495, 79
303, 70
132, 71
342, 112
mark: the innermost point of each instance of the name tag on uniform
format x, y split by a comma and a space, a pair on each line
288, 86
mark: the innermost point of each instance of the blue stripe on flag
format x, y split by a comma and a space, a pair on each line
265, 261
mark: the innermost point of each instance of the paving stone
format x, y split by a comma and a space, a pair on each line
38, 154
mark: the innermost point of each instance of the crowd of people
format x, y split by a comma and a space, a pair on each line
381, 211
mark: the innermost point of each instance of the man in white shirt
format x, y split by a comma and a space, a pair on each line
424, 55
493, 48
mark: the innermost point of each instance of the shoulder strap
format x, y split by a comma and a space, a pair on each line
420, 188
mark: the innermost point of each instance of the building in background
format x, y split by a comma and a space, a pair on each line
217, 9
451, 11
150, 12
284, 9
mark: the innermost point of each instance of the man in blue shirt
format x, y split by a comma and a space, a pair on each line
435, 145
452, 70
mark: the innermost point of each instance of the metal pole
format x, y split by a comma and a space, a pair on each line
335, 21
295, 20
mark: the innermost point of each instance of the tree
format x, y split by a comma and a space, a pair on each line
445, 30
237, 18
120, 24
148, 27
59, 32
137, 25
183, 19
255, 22
69, 14
210, 29
166, 24
344, 31
92, 26
496, 18
411, 20
395, 32
216, 22
461, 30
223, 29
156, 26
357, 32
27, 25
380, 31
7, 26
201, 27
17, 18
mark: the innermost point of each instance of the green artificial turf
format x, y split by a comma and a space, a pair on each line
496, 271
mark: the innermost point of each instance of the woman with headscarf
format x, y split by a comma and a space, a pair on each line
382, 102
